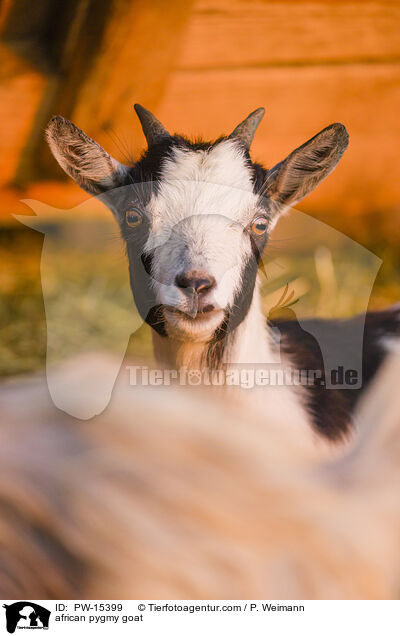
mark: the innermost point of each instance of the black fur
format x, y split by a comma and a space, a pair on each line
331, 408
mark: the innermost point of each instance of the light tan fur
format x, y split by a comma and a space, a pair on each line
171, 494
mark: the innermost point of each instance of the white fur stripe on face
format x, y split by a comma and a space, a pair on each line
214, 181
203, 202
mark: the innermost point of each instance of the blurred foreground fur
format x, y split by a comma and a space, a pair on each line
168, 495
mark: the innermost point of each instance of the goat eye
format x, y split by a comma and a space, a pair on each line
259, 226
133, 217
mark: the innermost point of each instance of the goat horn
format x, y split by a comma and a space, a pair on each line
245, 131
153, 129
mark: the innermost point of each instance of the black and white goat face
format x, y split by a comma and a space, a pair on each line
201, 240
195, 216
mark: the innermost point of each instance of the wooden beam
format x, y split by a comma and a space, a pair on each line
139, 49
21, 92
299, 103
225, 34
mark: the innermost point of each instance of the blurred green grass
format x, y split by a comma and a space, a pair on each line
96, 280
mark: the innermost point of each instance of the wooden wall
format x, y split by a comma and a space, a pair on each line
204, 65
309, 64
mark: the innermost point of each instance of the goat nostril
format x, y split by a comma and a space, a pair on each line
201, 285
195, 282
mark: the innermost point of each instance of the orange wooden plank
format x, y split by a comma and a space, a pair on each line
138, 52
228, 33
21, 91
299, 102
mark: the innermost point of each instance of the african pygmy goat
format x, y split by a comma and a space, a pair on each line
166, 495
196, 218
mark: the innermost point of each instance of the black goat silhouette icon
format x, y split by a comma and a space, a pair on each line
31, 615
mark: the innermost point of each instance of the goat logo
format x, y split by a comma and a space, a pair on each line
282, 289
26, 615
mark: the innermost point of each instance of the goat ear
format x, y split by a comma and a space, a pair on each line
295, 177
83, 159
